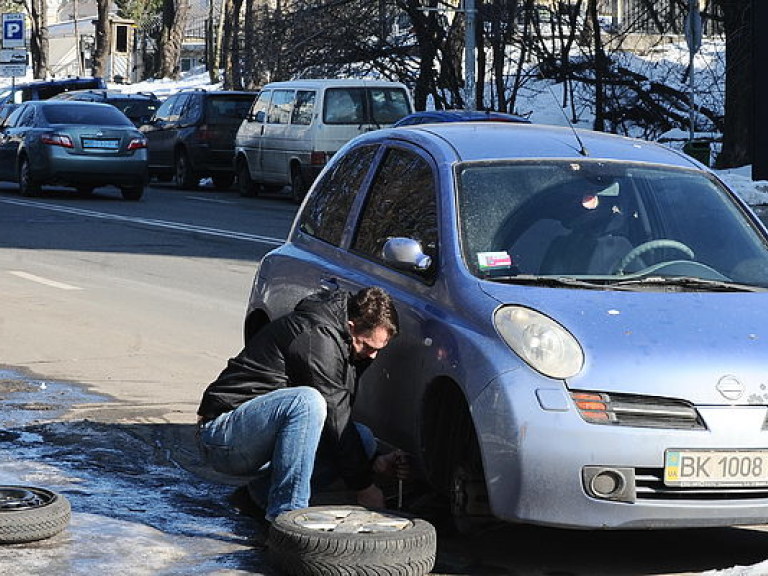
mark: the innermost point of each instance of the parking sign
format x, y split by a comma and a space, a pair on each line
13, 30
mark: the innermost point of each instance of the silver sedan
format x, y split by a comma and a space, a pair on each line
77, 144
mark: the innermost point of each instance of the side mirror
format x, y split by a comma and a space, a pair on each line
405, 254
259, 116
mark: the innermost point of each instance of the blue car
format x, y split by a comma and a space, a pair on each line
435, 116
584, 320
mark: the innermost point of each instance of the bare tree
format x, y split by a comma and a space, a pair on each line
38, 41
103, 38
737, 131
172, 35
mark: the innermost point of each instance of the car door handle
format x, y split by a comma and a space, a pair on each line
329, 284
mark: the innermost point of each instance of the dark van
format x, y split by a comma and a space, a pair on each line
44, 89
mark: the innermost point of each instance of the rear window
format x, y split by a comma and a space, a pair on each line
84, 113
228, 110
365, 105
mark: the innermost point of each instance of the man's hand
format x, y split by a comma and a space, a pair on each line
394, 465
371, 497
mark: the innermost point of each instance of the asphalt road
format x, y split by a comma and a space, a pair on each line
114, 317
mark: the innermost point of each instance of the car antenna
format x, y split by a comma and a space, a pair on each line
582, 149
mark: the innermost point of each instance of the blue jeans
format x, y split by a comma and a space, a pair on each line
273, 440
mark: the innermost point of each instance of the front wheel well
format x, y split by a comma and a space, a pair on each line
448, 433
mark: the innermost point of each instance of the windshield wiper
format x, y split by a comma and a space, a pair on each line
690, 282
549, 281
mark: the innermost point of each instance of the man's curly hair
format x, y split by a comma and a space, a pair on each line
371, 308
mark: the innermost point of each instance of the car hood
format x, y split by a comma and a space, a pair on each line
708, 348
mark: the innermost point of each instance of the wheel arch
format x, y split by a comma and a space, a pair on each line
447, 430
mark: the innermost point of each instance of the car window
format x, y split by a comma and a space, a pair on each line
166, 108
344, 106
325, 214
134, 108
401, 203
85, 113
193, 108
229, 109
388, 104
177, 109
303, 108
259, 108
24, 116
282, 104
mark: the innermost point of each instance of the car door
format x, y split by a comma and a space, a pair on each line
276, 137
12, 138
401, 203
161, 131
330, 250
8, 147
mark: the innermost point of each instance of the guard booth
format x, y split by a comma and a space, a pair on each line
71, 46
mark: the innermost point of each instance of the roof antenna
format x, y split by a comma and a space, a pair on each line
582, 149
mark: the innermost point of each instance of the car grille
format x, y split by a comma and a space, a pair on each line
649, 485
634, 410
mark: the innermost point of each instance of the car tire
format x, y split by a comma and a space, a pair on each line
186, 179
85, 190
223, 181
245, 184
28, 185
470, 508
299, 186
343, 540
28, 514
133, 193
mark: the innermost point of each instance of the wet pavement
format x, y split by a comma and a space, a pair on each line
144, 505
136, 509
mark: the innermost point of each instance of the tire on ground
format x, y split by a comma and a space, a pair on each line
28, 514
351, 540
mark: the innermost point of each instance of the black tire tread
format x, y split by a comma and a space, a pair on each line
308, 553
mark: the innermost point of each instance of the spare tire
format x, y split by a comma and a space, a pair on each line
344, 540
28, 514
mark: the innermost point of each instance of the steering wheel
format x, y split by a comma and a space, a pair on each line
638, 251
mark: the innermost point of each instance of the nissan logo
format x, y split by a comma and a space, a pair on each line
730, 388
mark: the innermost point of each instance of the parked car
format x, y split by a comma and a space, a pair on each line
295, 127
138, 106
192, 136
44, 89
12, 96
77, 144
583, 320
433, 116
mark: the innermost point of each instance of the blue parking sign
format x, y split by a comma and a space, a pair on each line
13, 30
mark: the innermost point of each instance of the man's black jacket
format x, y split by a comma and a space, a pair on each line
310, 346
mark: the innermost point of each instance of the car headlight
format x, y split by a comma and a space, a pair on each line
545, 345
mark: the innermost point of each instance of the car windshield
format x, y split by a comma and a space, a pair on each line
606, 221
88, 114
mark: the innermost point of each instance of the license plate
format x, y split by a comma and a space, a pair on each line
101, 144
735, 468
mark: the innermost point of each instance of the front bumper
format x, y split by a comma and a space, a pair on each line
539, 456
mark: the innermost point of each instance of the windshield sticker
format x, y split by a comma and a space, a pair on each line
494, 260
